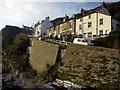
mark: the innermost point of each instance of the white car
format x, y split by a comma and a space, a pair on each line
82, 41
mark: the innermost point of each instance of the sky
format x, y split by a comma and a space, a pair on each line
28, 12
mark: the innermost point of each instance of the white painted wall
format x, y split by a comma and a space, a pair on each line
95, 19
84, 24
44, 26
106, 23
36, 31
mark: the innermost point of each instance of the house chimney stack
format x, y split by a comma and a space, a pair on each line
47, 18
82, 11
73, 15
104, 5
65, 18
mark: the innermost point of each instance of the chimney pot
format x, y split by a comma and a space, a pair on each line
82, 11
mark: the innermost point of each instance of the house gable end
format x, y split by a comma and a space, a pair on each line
104, 11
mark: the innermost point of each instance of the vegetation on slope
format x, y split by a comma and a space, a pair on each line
15, 43
8, 35
94, 66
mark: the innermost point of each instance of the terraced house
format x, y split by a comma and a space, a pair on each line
97, 22
64, 27
40, 29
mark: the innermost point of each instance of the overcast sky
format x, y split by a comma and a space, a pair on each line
28, 12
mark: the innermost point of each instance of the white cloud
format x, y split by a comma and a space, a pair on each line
30, 12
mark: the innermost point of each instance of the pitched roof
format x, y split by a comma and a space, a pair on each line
27, 27
113, 8
57, 21
38, 23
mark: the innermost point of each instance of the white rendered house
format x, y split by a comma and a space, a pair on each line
41, 28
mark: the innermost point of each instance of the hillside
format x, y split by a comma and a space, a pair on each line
95, 66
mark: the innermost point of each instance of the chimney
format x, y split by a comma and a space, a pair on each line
47, 18
73, 15
65, 18
104, 5
82, 11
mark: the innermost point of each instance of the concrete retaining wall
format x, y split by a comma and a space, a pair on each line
42, 53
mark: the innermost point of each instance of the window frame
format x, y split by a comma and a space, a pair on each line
80, 27
100, 32
89, 34
89, 17
70, 24
101, 22
81, 19
89, 24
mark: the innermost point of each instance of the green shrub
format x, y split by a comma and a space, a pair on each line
20, 43
8, 35
110, 41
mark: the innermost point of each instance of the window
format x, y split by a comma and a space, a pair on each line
79, 40
54, 27
101, 32
101, 21
80, 19
70, 24
84, 41
84, 34
89, 24
89, 16
106, 32
89, 34
117, 26
80, 27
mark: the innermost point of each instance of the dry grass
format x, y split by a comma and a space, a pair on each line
94, 66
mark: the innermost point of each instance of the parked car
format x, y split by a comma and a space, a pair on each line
82, 41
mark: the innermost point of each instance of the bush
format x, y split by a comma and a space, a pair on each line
110, 41
20, 44
8, 35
